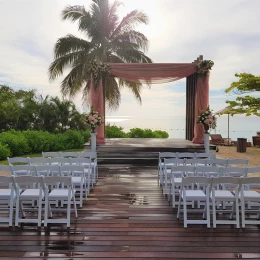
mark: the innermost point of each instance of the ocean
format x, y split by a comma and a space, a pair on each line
240, 126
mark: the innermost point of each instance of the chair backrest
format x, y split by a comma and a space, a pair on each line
216, 139
205, 155
195, 162
51, 154
163, 155
242, 162
187, 155
196, 179
52, 180
226, 180
80, 161
22, 170
72, 170
92, 155
235, 171
5, 181
69, 154
174, 161
48, 170
39, 161
184, 170
60, 161
253, 170
217, 162
250, 182
209, 171
5, 170
19, 180
18, 161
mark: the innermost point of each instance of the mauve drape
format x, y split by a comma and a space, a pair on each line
97, 101
201, 103
153, 73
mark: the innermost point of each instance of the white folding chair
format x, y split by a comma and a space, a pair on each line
187, 155
77, 174
188, 194
7, 197
241, 162
94, 164
69, 154
39, 161
224, 195
21, 170
67, 195
32, 192
18, 161
169, 163
195, 162
89, 174
235, 171
217, 162
60, 161
177, 173
162, 157
248, 195
205, 155
51, 154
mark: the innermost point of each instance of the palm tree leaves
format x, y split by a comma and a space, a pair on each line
108, 40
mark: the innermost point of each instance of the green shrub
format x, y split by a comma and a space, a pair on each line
72, 139
114, 132
16, 142
85, 135
4, 151
160, 134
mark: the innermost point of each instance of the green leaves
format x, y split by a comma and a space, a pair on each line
247, 105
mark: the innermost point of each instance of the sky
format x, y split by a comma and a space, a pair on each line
224, 31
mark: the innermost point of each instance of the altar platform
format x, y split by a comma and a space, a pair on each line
142, 150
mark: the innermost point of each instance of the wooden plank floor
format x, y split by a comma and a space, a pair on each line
127, 217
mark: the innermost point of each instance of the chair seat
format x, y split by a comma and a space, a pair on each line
30, 193
195, 195
5, 193
59, 194
224, 195
177, 180
251, 195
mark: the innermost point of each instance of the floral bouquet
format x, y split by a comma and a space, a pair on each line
208, 120
94, 119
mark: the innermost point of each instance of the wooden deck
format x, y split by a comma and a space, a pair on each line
127, 217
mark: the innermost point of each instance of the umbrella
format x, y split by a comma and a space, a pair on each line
227, 111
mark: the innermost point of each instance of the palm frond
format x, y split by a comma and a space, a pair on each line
73, 13
112, 93
135, 88
129, 22
69, 44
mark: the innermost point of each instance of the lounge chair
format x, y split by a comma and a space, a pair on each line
217, 139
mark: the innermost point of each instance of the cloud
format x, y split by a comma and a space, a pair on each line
226, 32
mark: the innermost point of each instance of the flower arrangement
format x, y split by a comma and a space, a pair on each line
97, 70
204, 67
208, 120
94, 119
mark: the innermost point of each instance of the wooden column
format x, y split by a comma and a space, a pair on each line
191, 83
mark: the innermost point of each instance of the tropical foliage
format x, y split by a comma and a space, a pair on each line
25, 110
248, 105
106, 40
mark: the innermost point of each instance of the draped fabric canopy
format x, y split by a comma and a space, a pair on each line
153, 73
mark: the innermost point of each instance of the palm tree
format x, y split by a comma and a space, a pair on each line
108, 41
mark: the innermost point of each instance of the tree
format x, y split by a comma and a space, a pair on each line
248, 105
108, 40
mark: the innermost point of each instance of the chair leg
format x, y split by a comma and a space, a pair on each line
39, 211
68, 213
185, 212
46, 212
243, 213
214, 212
11, 208
179, 207
17, 211
237, 213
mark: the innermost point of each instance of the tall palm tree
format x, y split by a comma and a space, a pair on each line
108, 40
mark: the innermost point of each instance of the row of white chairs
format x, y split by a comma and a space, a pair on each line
239, 197
81, 174
173, 180
169, 162
58, 161
42, 190
59, 158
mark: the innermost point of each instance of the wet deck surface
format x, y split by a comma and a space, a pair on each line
127, 217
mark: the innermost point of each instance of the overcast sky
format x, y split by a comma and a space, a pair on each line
225, 31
